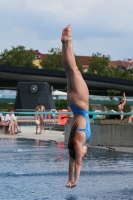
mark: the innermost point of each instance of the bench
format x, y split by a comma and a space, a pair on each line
48, 124
30, 121
33, 120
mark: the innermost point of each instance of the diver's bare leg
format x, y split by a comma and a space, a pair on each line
77, 88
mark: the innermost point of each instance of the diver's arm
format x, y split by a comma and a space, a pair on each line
71, 172
78, 160
71, 168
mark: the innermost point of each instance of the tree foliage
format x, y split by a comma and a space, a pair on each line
78, 64
113, 92
122, 74
5, 106
61, 104
17, 56
54, 61
100, 65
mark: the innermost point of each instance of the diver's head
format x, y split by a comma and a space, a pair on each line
72, 153
84, 151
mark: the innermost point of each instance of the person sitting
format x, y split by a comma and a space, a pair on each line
121, 104
78, 100
39, 117
11, 122
2, 123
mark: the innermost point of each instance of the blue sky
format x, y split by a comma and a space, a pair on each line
104, 26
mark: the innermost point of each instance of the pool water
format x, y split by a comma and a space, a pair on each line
38, 170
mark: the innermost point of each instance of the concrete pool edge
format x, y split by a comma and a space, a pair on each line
120, 149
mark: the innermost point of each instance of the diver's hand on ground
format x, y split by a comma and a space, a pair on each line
70, 184
73, 185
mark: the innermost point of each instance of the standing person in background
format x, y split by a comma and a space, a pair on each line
39, 117
121, 104
78, 100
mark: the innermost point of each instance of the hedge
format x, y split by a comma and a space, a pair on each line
62, 104
6, 106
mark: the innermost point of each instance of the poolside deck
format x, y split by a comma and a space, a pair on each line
53, 135
29, 132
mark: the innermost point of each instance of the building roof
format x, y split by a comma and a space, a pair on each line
119, 63
84, 60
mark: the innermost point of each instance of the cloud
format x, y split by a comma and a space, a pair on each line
103, 25
116, 48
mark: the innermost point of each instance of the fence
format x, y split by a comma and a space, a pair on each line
53, 119
27, 118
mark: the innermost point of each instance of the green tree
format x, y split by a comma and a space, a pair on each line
99, 64
53, 60
5, 106
78, 64
17, 56
122, 74
61, 104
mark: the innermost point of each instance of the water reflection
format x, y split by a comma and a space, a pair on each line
71, 197
60, 154
42, 167
39, 142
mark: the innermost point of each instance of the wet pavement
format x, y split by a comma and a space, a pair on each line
53, 135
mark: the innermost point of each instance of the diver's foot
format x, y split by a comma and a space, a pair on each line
66, 34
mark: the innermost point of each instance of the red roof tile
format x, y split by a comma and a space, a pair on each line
85, 59
119, 63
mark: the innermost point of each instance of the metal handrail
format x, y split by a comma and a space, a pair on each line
64, 112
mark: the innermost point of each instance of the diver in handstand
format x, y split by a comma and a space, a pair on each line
78, 100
